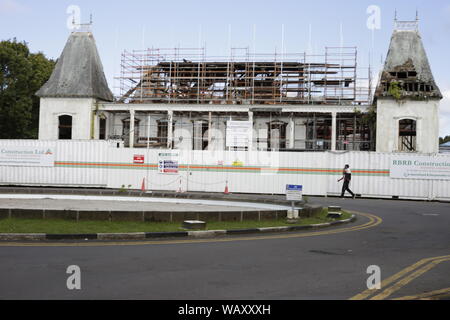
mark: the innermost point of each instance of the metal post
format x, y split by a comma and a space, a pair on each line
209, 130
291, 132
169, 129
131, 142
148, 131
282, 61
250, 141
333, 131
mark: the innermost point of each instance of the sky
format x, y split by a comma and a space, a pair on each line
295, 25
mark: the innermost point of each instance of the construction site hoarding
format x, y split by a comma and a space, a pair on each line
100, 164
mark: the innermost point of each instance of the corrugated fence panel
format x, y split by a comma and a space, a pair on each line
81, 163
97, 163
125, 173
370, 177
441, 188
64, 172
256, 172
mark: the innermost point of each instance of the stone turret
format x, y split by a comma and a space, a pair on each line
407, 96
69, 98
407, 66
78, 72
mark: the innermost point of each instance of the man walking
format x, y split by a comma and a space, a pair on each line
347, 176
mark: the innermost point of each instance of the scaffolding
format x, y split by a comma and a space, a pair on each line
189, 76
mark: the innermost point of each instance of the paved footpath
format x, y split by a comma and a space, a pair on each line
322, 264
103, 205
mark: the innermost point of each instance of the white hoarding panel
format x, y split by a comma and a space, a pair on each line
97, 163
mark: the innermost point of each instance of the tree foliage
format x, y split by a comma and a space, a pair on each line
21, 74
444, 139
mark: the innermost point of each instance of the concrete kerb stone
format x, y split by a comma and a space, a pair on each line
22, 236
176, 234
206, 234
72, 236
121, 236
274, 229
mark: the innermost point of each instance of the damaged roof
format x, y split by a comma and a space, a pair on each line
78, 72
407, 62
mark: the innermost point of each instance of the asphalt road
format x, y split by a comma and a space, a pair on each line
304, 266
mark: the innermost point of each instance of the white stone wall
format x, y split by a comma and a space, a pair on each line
80, 110
390, 112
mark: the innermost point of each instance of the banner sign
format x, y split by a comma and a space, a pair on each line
239, 133
294, 192
168, 163
27, 156
419, 167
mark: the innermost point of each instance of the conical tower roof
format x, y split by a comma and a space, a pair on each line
78, 72
407, 64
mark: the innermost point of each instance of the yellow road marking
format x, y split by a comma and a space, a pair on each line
427, 295
368, 292
400, 284
373, 221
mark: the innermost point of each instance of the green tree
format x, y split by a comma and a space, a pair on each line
444, 140
21, 74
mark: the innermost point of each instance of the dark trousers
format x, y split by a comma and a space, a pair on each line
346, 188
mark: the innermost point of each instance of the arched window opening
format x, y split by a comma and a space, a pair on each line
407, 135
65, 127
102, 129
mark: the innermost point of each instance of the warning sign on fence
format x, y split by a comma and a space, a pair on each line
138, 159
168, 162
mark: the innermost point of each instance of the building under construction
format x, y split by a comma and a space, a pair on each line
184, 99
187, 76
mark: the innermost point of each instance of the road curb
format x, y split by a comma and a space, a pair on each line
155, 235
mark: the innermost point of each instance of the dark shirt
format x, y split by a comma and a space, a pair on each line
347, 175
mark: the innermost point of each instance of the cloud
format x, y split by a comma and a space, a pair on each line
444, 114
11, 6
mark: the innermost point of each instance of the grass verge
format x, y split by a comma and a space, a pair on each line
60, 226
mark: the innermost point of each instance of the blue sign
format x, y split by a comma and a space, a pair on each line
293, 187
